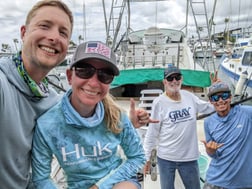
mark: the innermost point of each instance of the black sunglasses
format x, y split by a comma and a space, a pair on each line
216, 97
87, 71
177, 77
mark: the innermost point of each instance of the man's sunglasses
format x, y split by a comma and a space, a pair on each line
177, 77
216, 97
87, 71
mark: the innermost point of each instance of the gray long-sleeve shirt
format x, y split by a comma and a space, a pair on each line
18, 113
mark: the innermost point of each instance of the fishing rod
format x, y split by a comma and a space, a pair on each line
232, 105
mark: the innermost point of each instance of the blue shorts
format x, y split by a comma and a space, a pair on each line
135, 181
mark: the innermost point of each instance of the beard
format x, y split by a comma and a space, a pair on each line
174, 87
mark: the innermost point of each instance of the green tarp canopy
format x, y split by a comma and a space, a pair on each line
136, 76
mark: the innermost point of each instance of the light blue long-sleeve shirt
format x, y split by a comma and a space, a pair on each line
231, 165
85, 149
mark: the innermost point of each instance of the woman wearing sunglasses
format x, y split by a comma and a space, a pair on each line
84, 131
228, 142
175, 136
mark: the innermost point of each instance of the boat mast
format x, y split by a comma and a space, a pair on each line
187, 12
113, 24
105, 18
84, 21
199, 12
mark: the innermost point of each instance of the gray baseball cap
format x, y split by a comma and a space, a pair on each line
218, 87
97, 50
171, 70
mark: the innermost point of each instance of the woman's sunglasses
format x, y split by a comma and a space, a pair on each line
177, 77
87, 71
216, 97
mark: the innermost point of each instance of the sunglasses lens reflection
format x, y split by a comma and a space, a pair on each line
176, 77
105, 76
223, 96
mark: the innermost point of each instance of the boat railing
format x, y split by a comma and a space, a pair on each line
138, 57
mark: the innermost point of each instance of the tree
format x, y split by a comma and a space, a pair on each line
15, 43
226, 21
200, 28
226, 31
5, 47
72, 43
80, 38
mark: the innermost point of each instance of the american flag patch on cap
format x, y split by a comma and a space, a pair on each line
99, 48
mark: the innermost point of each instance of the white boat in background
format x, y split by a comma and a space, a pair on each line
145, 54
240, 45
219, 52
204, 49
6, 54
239, 71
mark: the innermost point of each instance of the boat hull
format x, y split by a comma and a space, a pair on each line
232, 69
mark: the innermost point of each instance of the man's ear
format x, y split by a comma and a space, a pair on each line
22, 32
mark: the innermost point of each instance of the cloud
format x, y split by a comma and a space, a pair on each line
171, 13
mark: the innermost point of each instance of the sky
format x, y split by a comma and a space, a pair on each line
162, 14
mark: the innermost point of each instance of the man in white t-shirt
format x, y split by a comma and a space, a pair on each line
175, 136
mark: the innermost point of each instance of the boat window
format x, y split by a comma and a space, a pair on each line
244, 44
247, 59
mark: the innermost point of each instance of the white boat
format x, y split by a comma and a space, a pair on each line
204, 49
219, 52
222, 51
239, 71
240, 45
6, 54
145, 54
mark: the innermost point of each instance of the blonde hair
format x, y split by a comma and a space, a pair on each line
112, 114
52, 3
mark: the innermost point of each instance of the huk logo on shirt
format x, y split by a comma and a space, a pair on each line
180, 114
98, 152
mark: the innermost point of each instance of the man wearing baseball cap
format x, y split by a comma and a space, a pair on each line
228, 142
175, 136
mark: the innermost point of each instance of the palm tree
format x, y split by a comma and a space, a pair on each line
80, 38
5, 47
226, 31
226, 21
72, 43
200, 28
16, 42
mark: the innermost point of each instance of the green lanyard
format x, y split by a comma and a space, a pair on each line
39, 90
